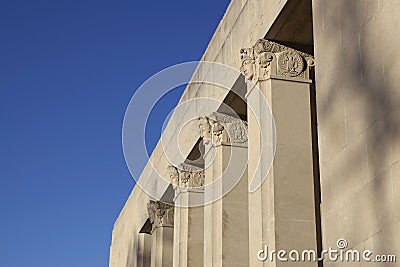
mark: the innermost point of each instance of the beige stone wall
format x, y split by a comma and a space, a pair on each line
245, 21
125, 234
358, 100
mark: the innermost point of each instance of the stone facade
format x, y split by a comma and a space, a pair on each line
327, 70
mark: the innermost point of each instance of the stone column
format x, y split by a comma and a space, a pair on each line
161, 217
188, 235
281, 211
144, 250
226, 218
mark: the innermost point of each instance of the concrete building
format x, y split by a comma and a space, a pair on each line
329, 72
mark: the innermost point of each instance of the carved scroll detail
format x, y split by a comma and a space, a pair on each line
205, 129
268, 58
160, 214
186, 176
226, 129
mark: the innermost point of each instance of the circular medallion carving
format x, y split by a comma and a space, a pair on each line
237, 132
290, 63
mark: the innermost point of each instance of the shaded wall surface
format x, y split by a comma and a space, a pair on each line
358, 108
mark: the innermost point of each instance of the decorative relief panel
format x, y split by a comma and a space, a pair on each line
186, 176
160, 214
290, 64
268, 58
223, 129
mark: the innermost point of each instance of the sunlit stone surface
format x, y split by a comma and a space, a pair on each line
329, 72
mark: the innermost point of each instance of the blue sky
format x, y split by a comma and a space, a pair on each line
67, 72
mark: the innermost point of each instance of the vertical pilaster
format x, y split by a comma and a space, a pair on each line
162, 219
144, 250
225, 213
189, 227
281, 210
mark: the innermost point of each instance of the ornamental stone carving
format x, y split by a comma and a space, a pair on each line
290, 63
247, 67
225, 129
160, 214
186, 176
173, 176
267, 58
205, 129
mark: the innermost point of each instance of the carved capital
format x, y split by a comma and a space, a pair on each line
226, 129
190, 176
267, 58
160, 214
186, 176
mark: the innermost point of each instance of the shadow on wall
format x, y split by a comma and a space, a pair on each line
131, 261
359, 120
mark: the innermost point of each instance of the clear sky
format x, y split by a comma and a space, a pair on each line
67, 72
